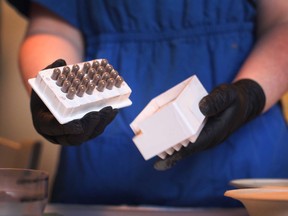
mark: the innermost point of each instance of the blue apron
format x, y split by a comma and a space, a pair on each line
155, 44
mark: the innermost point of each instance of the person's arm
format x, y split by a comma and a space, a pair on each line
48, 38
268, 62
260, 83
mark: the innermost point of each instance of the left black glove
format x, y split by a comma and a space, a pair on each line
71, 133
227, 107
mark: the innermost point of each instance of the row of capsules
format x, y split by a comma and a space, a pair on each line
76, 81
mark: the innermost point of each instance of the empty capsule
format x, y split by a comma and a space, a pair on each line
85, 81
118, 81
105, 76
96, 79
66, 70
75, 68
90, 88
104, 62
71, 77
101, 85
76, 82
95, 64
65, 86
108, 68
81, 90
114, 74
110, 83
86, 66
91, 72
71, 93
60, 79
55, 74
100, 70
80, 74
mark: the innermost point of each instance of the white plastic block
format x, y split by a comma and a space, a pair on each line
67, 106
170, 121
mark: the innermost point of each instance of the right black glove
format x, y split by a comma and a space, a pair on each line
227, 108
71, 133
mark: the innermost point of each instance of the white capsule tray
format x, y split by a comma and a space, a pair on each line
65, 109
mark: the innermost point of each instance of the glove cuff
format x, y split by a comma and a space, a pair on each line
255, 96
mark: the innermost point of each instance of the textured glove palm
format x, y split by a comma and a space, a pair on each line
71, 133
227, 107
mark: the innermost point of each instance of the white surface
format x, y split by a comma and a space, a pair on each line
255, 183
262, 201
170, 120
66, 110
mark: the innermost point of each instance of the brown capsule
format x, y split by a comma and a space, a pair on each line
110, 83
104, 62
85, 81
66, 70
101, 85
71, 77
76, 82
86, 66
75, 68
60, 79
96, 79
91, 72
80, 74
90, 88
108, 68
105, 76
118, 81
114, 74
100, 70
95, 64
71, 93
55, 74
81, 90
65, 86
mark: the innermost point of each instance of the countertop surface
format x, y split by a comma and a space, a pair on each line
89, 210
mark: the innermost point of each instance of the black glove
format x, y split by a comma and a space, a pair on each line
227, 107
71, 133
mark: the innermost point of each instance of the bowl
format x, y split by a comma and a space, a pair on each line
266, 201
259, 182
23, 192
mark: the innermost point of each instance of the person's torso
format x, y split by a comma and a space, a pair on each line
155, 45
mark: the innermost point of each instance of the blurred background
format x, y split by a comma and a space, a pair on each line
15, 120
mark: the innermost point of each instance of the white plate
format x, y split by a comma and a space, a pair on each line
263, 201
256, 183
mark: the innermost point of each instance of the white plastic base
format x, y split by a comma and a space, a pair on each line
66, 110
170, 120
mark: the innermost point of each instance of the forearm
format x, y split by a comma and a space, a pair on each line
40, 50
48, 38
268, 64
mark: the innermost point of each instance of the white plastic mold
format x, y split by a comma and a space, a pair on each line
65, 109
170, 121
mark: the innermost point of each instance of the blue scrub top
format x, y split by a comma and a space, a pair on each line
155, 44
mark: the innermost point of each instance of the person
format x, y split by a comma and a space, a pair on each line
238, 50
